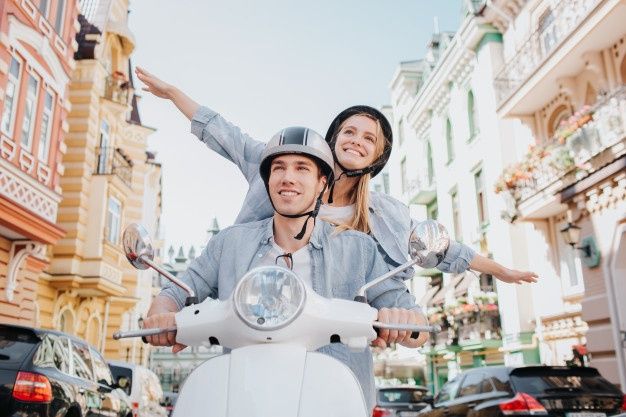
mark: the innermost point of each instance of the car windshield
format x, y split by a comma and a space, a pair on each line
538, 381
400, 395
15, 345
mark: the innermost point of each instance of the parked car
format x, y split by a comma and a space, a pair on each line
533, 390
50, 373
143, 387
401, 401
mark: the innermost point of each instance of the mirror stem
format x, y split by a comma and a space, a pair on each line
169, 276
361, 294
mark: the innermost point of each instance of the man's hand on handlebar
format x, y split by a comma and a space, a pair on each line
164, 321
400, 316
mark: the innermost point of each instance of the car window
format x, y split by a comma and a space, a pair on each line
567, 380
471, 384
448, 391
487, 386
53, 352
15, 345
101, 369
400, 395
81, 361
120, 371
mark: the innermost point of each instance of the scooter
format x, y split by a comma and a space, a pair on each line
272, 324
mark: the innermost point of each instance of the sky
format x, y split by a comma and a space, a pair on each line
263, 65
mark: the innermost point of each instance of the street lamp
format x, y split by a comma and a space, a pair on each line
571, 236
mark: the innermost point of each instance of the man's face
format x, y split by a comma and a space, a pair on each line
294, 184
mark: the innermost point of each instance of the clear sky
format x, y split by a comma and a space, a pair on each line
263, 65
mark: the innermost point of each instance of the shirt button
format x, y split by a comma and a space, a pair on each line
260, 255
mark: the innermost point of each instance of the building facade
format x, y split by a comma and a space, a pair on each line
90, 289
36, 61
561, 84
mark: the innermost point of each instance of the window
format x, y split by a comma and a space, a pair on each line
481, 199
403, 175
66, 322
449, 140
10, 98
471, 384
30, 108
456, 214
53, 352
401, 131
113, 220
432, 210
46, 127
430, 169
548, 31
62, 357
43, 7
472, 115
81, 361
58, 22
104, 147
101, 369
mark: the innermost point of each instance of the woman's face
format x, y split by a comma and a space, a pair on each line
358, 143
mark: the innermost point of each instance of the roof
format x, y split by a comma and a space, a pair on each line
41, 332
86, 43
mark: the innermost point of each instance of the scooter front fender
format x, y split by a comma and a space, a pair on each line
276, 380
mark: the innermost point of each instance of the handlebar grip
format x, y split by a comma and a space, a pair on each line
414, 335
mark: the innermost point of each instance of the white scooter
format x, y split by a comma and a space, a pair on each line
273, 323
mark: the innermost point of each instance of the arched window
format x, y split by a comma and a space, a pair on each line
92, 334
449, 140
591, 95
559, 115
66, 321
472, 114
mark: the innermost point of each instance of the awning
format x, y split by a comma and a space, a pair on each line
441, 295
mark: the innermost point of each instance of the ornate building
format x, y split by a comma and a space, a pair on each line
36, 61
109, 181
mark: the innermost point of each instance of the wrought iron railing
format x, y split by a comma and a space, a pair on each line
420, 184
565, 17
113, 161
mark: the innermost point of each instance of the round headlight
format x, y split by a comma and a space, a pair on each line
269, 297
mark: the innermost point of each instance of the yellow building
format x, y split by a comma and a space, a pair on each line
90, 288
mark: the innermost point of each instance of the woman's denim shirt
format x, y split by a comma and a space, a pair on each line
390, 221
341, 263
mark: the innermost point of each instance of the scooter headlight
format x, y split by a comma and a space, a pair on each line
269, 297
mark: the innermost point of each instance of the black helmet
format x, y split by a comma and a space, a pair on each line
298, 140
301, 141
379, 164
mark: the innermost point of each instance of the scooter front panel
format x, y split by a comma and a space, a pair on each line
205, 391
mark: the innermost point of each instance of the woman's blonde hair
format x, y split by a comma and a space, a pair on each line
360, 196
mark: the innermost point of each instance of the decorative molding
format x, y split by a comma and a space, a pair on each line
18, 33
43, 174
606, 195
27, 162
7, 147
17, 258
27, 192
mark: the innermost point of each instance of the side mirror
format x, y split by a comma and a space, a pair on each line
137, 245
429, 399
428, 243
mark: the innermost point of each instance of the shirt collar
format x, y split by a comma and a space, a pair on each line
316, 237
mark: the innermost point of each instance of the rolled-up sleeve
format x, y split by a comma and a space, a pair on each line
228, 140
457, 259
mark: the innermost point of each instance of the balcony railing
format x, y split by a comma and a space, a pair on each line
467, 324
118, 89
564, 18
568, 156
113, 161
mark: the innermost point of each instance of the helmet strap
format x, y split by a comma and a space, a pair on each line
312, 214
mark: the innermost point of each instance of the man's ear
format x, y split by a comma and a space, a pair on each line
322, 183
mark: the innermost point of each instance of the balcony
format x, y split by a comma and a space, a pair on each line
589, 140
118, 89
563, 20
113, 161
421, 190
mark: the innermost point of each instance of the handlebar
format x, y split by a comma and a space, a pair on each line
142, 333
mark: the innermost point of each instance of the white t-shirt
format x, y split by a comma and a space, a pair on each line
336, 215
300, 261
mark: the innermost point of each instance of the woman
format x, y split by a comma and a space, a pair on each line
361, 139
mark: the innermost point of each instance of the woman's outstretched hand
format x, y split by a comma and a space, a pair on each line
153, 84
160, 88
513, 276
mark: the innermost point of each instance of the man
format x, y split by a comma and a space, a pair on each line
296, 167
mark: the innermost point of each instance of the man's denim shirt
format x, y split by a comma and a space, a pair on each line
340, 264
390, 220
